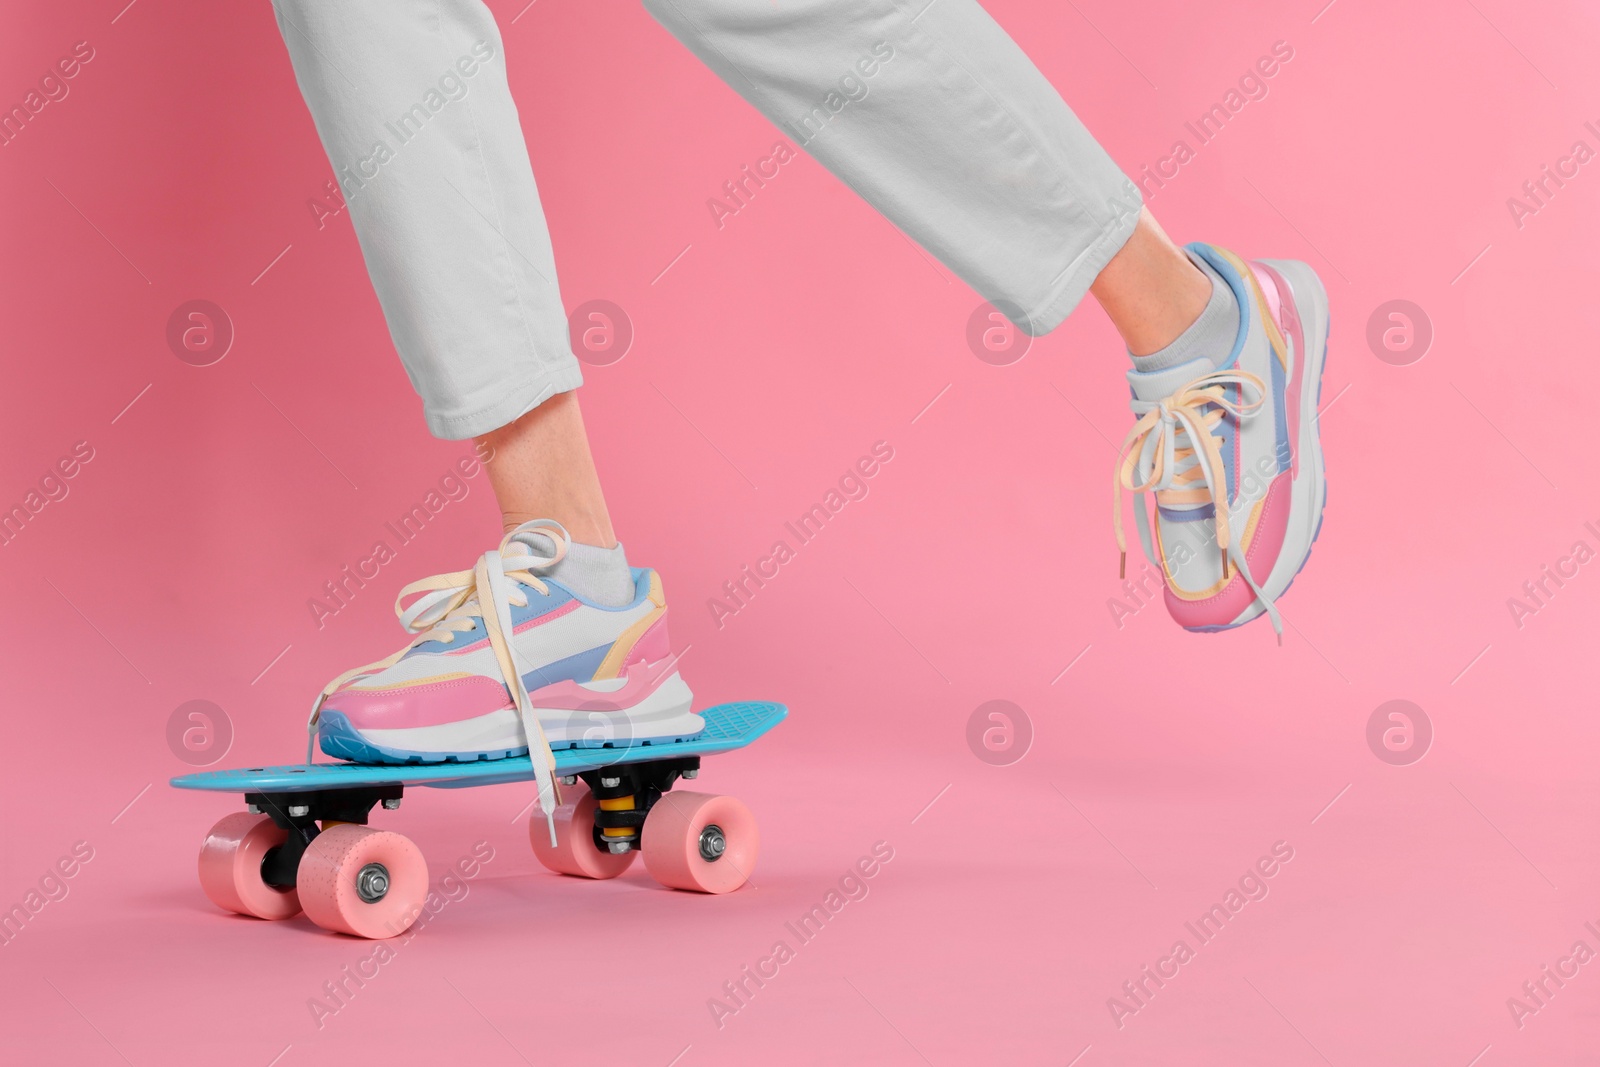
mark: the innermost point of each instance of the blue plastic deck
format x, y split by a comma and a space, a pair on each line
728, 726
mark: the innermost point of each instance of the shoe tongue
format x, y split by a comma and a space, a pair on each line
1151, 386
532, 543
541, 547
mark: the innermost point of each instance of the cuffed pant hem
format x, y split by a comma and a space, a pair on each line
1074, 282
516, 401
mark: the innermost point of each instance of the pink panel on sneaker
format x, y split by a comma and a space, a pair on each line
639, 681
652, 645
1226, 606
433, 704
1269, 281
550, 616
539, 620
1288, 316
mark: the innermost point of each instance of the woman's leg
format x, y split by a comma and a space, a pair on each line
1151, 291
411, 101
935, 116
542, 469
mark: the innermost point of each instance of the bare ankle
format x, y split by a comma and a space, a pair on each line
1150, 289
543, 469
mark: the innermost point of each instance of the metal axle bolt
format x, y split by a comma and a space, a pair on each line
372, 882
391, 805
569, 779
619, 847
693, 772
253, 809
610, 783
299, 811
713, 843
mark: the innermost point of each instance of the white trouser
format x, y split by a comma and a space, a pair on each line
924, 107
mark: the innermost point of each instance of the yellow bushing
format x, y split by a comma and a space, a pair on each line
617, 804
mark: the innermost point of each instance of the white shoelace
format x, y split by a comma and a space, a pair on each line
452, 603
1174, 452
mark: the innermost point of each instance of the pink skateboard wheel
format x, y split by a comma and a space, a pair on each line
230, 867
700, 841
357, 880
575, 852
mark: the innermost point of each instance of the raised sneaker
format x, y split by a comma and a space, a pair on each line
1228, 445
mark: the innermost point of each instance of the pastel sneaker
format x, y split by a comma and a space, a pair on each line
585, 674
1230, 449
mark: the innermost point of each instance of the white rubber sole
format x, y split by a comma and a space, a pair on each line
1309, 487
664, 714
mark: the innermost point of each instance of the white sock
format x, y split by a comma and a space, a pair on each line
1211, 335
601, 574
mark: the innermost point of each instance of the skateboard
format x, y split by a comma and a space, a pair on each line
303, 843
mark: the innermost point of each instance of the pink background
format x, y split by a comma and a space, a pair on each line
979, 566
